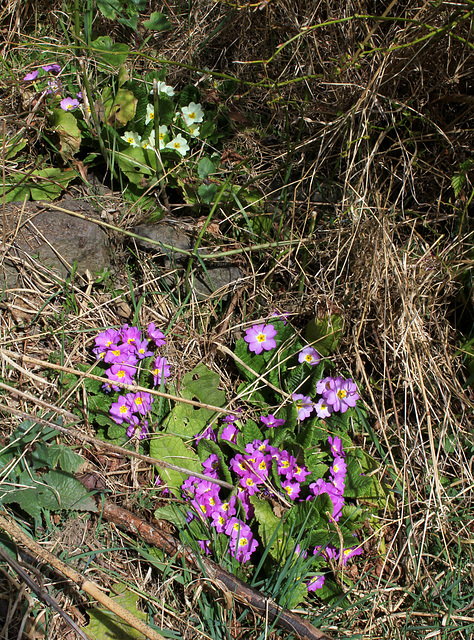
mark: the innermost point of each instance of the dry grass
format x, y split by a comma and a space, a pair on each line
353, 130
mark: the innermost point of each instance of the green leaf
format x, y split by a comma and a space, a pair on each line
173, 450
457, 182
69, 461
205, 167
166, 109
206, 129
49, 183
207, 192
270, 528
157, 22
200, 384
324, 334
109, 8
251, 432
64, 124
171, 513
115, 54
134, 164
15, 189
105, 625
64, 492
119, 109
304, 514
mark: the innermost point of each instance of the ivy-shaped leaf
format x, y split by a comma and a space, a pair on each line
157, 22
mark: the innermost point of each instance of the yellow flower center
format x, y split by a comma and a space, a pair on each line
261, 337
341, 394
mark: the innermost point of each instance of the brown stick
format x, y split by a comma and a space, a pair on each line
226, 581
12, 529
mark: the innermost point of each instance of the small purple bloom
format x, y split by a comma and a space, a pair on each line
323, 384
130, 335
141, 402
79, 95
316, 583
30, 77
156, 335
207, 434
260, 337
304, 405
161, 370
341, 394
271, 421
55, 68
53, 86
120, 373
121, 410
323, 410
229, 432
298, 473
336, 446
292, 489
309, 355
211, 465
350, 553
68, 104
104, 341
142, 350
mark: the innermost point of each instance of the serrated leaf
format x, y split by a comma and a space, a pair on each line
70, 461
304, 514
173, 450
270, 528
157, 22
457, 182
171, 513
105, 625
251, 432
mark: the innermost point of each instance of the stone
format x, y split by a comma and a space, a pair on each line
205, 281
55, 239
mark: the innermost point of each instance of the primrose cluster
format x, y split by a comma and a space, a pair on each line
122, 349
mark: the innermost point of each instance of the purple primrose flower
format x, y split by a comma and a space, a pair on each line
68, 104
309, 355
30, 77
260, 337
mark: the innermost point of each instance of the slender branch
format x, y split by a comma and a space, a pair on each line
12, 529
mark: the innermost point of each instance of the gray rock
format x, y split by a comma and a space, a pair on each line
55, 239
181, 236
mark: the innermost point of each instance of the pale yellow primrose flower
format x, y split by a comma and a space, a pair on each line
164, 88
150, 113
162, 136
192, 113
132, 138
179, 144
194, 131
